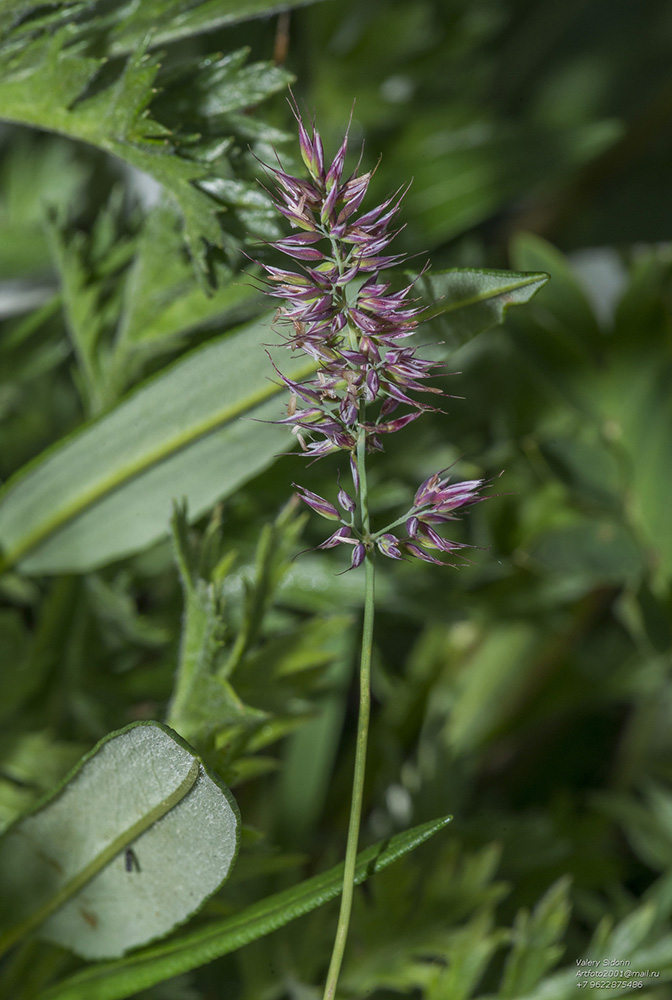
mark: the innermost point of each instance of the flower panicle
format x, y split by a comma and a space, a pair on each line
357, 339
337, 309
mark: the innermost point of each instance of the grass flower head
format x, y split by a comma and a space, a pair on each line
339, 309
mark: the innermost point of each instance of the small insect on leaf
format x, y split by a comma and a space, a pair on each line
141, 793
131, 862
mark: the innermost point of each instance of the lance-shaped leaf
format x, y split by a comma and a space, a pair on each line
470, 300
197, 431
137, 838
190, 949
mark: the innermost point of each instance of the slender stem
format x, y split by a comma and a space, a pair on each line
395, 524
361, 469
362, 740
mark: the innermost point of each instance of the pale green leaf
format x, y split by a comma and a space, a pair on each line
88, 869
115, 980
197, 432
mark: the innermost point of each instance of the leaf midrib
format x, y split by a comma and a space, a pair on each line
142, 463
102, 858
531, 279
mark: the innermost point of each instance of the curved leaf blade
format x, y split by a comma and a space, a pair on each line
197, 431
87, 869
123, 978
471, 300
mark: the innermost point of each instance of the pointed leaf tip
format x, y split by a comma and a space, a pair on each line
181, 953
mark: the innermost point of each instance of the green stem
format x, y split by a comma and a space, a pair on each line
395, 524
362, 739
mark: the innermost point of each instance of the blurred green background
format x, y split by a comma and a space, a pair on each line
528, 693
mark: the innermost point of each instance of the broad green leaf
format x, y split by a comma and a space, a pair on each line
197, 431
115, 980
88, 869
469, 300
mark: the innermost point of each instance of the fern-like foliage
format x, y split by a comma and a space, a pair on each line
87, 72
245, 680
